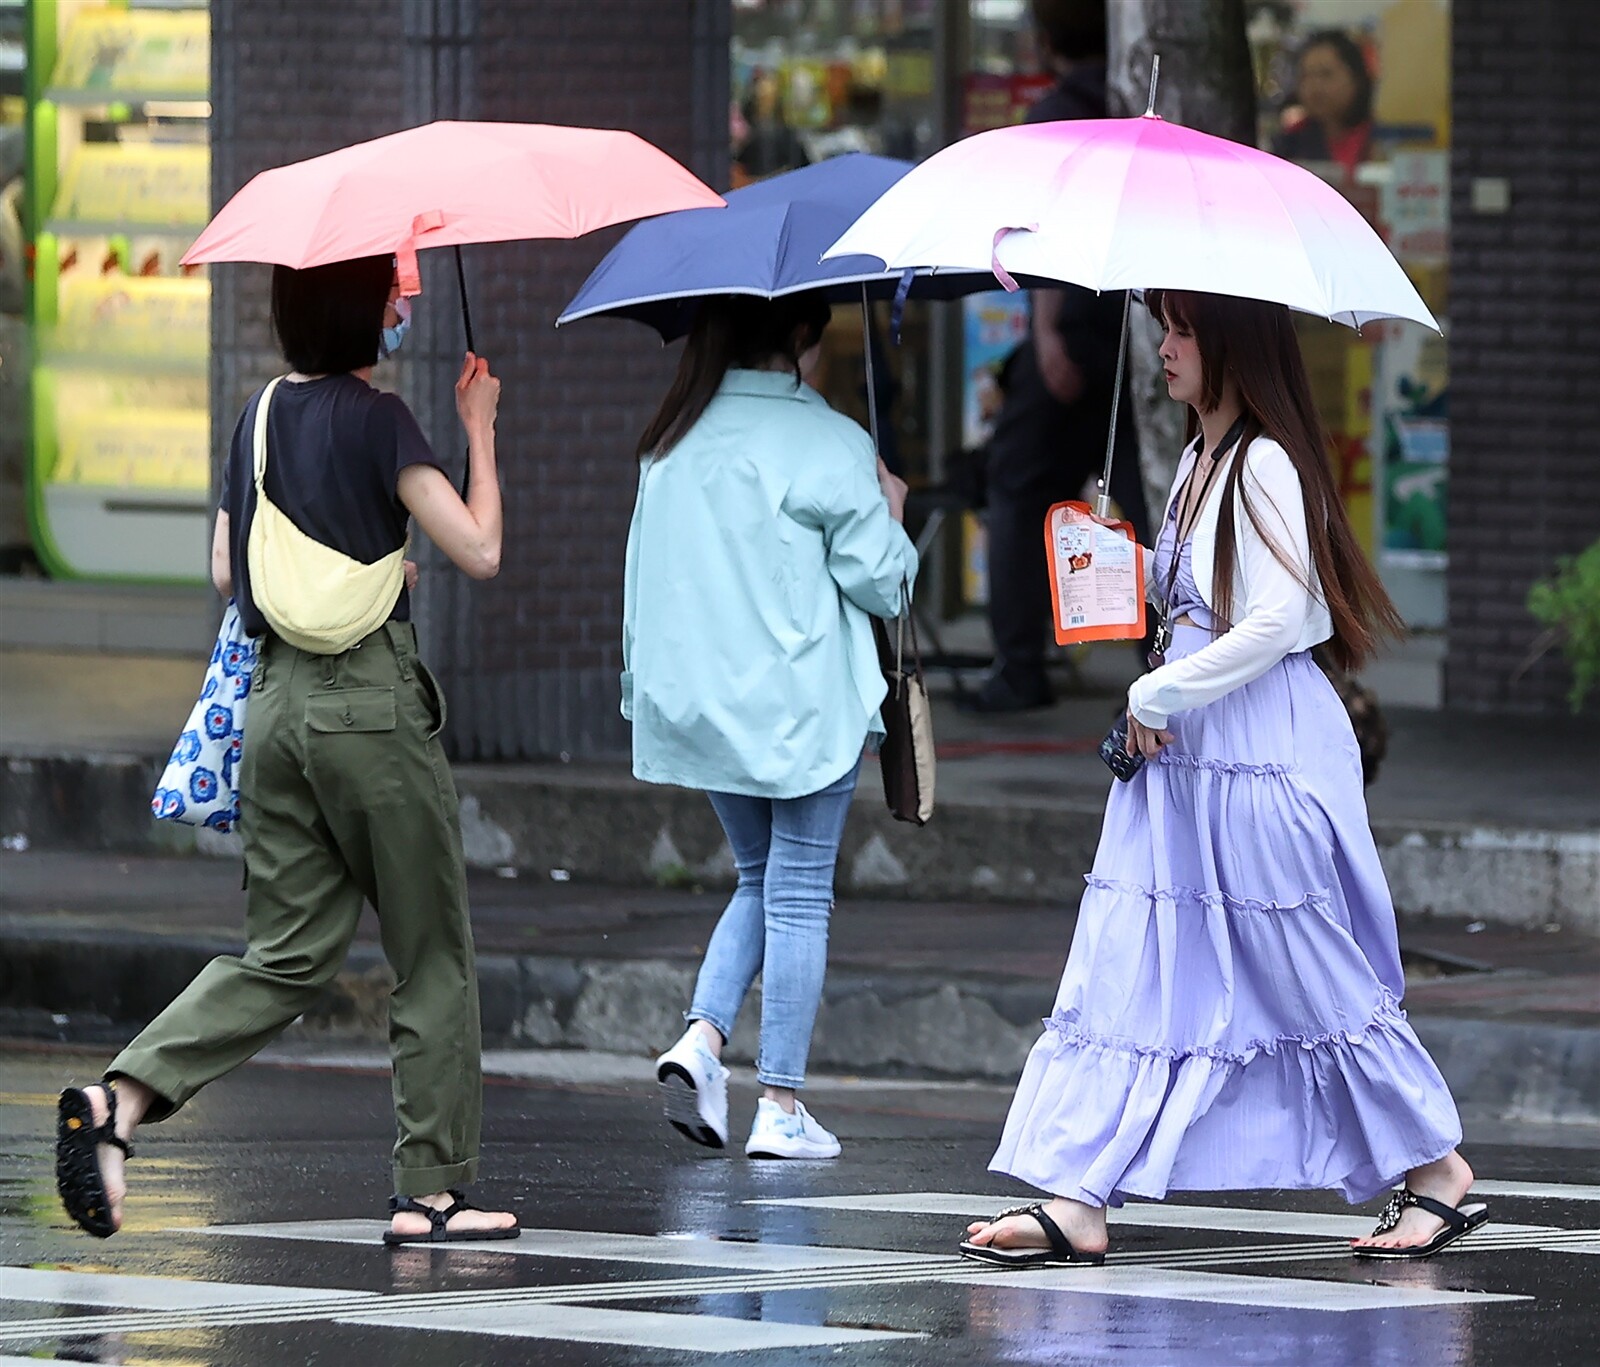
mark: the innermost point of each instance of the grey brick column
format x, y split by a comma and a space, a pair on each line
530, 660
1524, 335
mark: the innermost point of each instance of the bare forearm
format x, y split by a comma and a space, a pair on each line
483, 499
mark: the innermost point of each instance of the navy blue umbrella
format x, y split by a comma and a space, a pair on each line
767, 242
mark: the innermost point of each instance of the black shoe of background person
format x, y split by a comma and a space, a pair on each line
999, 694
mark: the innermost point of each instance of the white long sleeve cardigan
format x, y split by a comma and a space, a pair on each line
1274, 615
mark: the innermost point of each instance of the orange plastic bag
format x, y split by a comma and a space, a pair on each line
1096, 577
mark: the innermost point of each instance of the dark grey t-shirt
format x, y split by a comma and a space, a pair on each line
335, 450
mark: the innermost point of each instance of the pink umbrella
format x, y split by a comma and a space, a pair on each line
1128, 204
443, 185
1117, 204
446, 184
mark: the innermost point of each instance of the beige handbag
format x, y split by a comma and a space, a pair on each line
316, 598
907, 756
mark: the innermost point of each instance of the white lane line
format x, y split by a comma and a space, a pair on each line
1543, 1190
655, 1249
699, 1334
1217, 1219
118, 1292
386, 1308
1283, 1293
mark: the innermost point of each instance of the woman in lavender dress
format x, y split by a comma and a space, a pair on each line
1229, 1016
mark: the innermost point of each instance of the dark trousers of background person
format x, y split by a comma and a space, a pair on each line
1020, 614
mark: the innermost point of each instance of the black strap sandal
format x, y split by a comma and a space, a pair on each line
78, 1178
440, 1220
1458, 1220
1061, 1253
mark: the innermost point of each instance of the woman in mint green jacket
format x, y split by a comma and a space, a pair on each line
765, 536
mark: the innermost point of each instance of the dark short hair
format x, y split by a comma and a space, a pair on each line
1074, 29
1349, 53
328, 318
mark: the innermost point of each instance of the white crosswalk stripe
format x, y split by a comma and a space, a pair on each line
696, 1270
1219, 1219
655, 1249
49, 1287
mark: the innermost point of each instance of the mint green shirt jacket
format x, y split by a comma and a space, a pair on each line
760, 544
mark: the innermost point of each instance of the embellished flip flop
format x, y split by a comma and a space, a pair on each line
79, 1181
440, 1233
1458, 1220
1061, 1252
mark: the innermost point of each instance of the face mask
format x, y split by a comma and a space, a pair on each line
390, 339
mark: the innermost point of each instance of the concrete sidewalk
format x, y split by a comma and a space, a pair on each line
1478, 818
94, 945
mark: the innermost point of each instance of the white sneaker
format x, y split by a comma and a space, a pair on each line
694, 1090
777, 1134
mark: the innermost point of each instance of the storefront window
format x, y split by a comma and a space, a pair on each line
118, 185
16, 552
1358, 91
813, 79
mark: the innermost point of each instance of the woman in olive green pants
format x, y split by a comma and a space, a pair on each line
346, 796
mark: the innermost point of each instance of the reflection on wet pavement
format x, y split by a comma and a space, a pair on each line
253, 1216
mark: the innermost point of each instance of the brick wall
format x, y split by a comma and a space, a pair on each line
1525, 335
529, 660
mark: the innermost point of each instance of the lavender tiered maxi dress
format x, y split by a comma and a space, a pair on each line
1229, 1016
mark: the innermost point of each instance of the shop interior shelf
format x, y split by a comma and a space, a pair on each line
136, 498
77, 97
101, 363
95, 227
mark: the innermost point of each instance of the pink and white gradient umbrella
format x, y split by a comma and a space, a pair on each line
1114, 204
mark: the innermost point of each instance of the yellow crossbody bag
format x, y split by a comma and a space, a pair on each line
316, 598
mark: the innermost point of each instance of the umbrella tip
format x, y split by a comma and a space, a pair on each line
1155, 78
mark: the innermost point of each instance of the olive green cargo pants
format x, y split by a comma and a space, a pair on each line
347, 797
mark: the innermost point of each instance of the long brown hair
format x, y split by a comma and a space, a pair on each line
732, 331
1254, 343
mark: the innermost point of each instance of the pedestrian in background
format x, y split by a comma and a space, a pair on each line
1049, 436
1333, 91
1230, 1014
346, 792
764, 537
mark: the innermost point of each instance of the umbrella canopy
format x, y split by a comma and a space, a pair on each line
767, 242
1138, 203
446, 184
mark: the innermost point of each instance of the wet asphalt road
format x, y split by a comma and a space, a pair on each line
713, 1271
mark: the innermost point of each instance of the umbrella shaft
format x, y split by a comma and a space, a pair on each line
866, 350
1103, 503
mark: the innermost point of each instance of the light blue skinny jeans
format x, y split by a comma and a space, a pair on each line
777, 921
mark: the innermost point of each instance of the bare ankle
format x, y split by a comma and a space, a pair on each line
133, 1101
784, 1096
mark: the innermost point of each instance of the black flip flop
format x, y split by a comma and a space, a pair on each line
1458, 1220
1061, 1253
439, 1220
78, 1139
